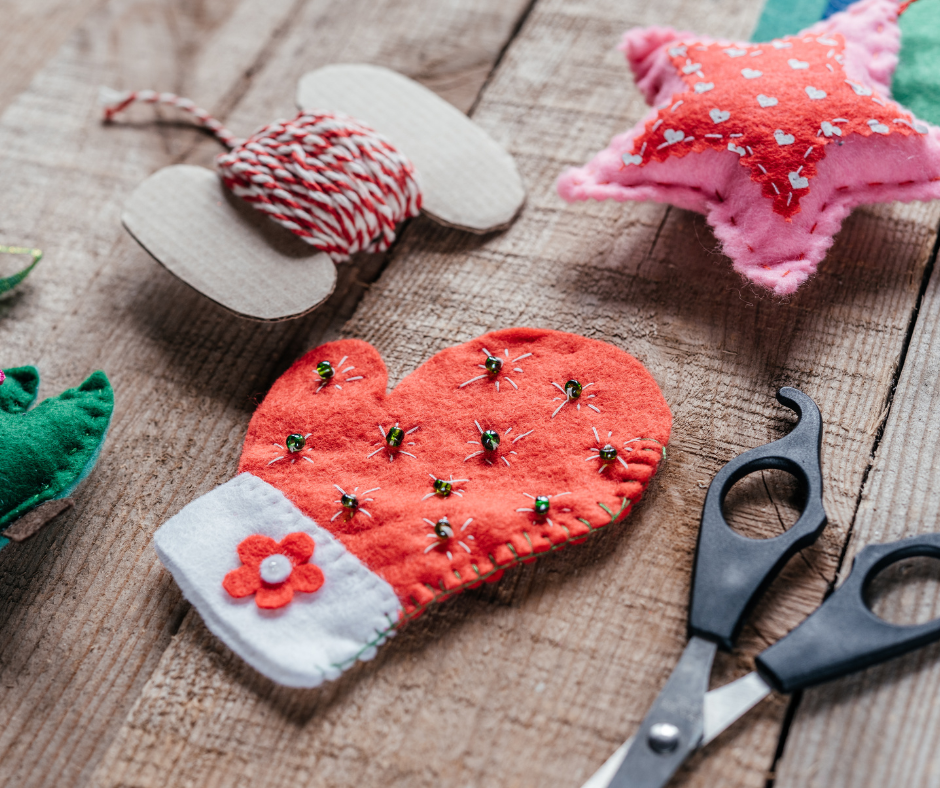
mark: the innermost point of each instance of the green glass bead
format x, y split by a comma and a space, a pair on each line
325, 370
608, 453
395, 436
493, 365
573, 389
349, 501
490, 440
295, 442
442, 488
541, 504
442, 529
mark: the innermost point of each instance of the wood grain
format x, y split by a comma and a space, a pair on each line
537, 680
882, 727
31, 33
86, 609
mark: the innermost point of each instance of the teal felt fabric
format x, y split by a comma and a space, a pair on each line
917, 78
45, 452
785, 17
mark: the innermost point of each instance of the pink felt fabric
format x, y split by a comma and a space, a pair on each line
775, 143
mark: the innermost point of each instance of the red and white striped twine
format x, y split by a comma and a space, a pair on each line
324, 176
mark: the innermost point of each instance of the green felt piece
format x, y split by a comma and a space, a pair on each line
785, 17
917, 81
47, 451
9, 282
19, 390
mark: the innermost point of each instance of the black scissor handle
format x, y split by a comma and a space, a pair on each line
731, 571
844, 635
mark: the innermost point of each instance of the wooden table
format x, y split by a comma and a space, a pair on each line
109, 678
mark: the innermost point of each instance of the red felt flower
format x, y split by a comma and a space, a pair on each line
299, 575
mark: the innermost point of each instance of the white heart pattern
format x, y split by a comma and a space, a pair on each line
815, 93
735, 52
691, 68
634, 158
783, 138
674, 135
828, 42
704, 87
736, 148
829, 130
878, 127
797, 181
766, 101
797, 64
719, 116
781, 44
861, 90
678, 51
750, 73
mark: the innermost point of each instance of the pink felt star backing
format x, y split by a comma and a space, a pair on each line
775, 143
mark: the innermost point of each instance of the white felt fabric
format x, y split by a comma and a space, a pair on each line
313, 638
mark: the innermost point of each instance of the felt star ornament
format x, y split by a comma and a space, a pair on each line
775, 142
355, 509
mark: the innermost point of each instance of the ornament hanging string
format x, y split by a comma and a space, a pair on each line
326, 177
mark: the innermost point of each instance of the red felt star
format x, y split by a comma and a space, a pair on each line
774, 142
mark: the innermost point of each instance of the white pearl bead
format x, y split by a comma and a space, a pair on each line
276, 568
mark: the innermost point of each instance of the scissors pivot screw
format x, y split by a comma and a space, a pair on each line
663, 737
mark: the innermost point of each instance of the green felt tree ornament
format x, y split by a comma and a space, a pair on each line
9, 282
47, 451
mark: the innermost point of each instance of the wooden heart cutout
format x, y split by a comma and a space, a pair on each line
231, 253
467, 180
225, 249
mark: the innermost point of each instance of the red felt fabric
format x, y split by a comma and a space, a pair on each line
246, 580
346, 420
806, 81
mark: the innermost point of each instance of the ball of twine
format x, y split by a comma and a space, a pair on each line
326, 177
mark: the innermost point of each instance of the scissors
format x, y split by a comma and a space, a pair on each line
730, 573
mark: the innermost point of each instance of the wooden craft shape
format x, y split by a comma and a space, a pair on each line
233, 254
467, 179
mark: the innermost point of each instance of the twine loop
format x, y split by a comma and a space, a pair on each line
326, 177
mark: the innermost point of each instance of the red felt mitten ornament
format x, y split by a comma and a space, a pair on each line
775, 142
355, 509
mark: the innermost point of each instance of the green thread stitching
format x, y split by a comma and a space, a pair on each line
403, 617
531, 546
9, 282
662, 446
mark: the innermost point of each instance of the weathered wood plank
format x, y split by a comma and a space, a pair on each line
31, 33
86, 609
882, 727
534, 682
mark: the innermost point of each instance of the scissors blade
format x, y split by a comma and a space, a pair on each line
602, 777
671, 730
727, 704
723, 707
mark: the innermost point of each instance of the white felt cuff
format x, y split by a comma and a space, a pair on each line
316, 636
